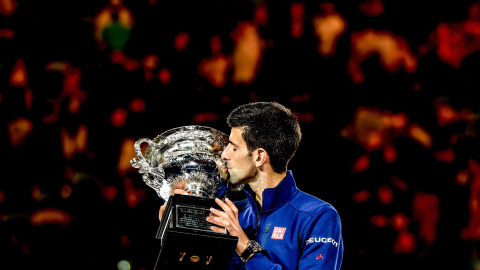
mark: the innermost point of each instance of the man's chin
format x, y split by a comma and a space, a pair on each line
233, 180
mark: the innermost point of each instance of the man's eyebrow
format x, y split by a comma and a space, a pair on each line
232, 143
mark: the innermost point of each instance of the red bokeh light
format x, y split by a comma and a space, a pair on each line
306, 117
133, 195
297, 15
385, 194
361, 196
305, 97
372, 7
463, 177
447, 156
399, 221
125, 240
118, 117
261, 14
150, 61
226, 99
361, 164
378, 220
65, 191
389, 153
7, 33
109, 192
399, 183
164, 76
216, 44
137, 105
204, 117
181, 41
405, 243
426, 211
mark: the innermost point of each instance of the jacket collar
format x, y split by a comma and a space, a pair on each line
273, 198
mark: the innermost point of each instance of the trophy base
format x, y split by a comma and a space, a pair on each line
185, 250
187, 242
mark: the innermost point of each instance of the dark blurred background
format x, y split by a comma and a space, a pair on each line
386, 93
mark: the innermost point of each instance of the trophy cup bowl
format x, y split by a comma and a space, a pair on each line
184, 156
187, 157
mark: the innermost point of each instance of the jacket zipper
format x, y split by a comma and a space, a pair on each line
259, 214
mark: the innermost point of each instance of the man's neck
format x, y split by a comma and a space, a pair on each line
265, 180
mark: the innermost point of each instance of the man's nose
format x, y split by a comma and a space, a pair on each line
224, 153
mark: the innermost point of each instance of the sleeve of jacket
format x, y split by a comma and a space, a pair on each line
320, 242
322, 246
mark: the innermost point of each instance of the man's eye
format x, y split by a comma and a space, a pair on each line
234, 149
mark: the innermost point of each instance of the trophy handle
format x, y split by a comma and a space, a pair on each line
140, 162
150, 174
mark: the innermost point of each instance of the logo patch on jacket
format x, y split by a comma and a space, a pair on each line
278, 233
322, 240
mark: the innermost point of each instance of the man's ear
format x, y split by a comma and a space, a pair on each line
260, 156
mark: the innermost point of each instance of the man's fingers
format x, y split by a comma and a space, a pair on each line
218, 213
162, 209
225, 207
219, 222
232, 206
180, 191
217, 229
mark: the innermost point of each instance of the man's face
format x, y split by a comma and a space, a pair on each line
240, 163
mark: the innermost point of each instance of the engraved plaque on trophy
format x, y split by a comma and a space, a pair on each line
187, 157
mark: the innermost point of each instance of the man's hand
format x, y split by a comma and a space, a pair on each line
177, 188
222, 169
229, 220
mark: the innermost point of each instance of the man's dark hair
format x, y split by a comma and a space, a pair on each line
271, 126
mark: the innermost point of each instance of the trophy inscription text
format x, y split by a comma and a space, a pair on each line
193, 218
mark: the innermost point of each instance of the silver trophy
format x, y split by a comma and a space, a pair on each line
185, 157
188, 158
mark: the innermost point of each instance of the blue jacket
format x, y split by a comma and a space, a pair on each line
296, 230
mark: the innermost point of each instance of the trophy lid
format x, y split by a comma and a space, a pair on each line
186, 156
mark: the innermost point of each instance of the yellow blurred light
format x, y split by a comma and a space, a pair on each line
8, 7
420, 135
127, 153
328, 30
74, 144
463, 177
50, 216
18, 77
18, 129
57, 66
247, 54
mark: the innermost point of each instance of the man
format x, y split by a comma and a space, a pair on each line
278, 226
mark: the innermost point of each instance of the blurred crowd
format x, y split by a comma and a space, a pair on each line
385, 92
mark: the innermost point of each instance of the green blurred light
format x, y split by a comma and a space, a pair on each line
124, 265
